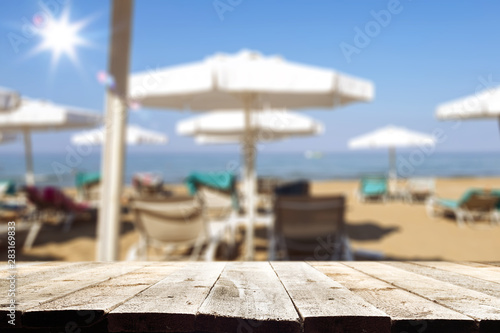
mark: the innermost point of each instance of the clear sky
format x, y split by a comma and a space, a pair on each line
426, 53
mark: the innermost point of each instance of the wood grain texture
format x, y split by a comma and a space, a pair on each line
469, 282
325, 305
40, 292
248, 296
170, 305
483, 308
408, 312
478, 271
96, 300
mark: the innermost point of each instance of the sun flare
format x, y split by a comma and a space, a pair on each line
61, 37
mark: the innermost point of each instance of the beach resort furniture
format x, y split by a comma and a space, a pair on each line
310, 226
475, 203
50, 202
221, 201
419, 189
170, 223
147, 183
250, 82
88, 186
372, 187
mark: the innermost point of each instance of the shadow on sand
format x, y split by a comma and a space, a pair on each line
368, 231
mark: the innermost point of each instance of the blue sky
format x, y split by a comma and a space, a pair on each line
429, 52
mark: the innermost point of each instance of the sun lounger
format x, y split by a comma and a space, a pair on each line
475, 203
147, 184
171, 223
88, 185
50, 202
217, 190
419, 189
310, 226
372, 187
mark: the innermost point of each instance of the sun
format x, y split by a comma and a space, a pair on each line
61, 37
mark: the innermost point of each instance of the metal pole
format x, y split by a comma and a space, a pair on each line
249, 148
30, 176
113, 160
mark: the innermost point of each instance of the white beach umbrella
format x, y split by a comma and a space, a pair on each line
391, 137
266, 125
247, 81
485, 104
36, 115
134, 135
9, 99
229, 128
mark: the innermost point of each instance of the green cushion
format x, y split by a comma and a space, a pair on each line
9, 186
452, 204
371, 186
87, 178
223, 181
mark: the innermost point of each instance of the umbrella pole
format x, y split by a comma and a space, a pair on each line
392, 163
30, 176
249, 184
116, 117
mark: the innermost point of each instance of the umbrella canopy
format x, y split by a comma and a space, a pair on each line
9, 99
485, 104
225, 81
391, 137
135, 135
35, 115
248, 81
265, 125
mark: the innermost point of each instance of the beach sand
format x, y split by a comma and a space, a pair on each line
396, 230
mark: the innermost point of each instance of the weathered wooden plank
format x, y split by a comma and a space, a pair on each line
97, 300
248, 296
325, 305
483, 308
24, 278
469, 282
493, 263
484, 272
41, 292
5, 266
170, 305
409, 312
25, 269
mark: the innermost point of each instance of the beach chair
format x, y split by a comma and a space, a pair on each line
147, 184
221, 202
310, 226
171, 223
475, 203
419, 189
88, 185
50, 202
372, 187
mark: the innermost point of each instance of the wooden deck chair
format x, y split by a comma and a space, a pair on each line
311, 226
169, 223
475, 203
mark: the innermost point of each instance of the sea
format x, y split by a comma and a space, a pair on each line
59, 169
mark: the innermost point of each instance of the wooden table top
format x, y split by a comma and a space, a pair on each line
254, 297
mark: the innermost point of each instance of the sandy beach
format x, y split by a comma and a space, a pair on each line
394, 230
